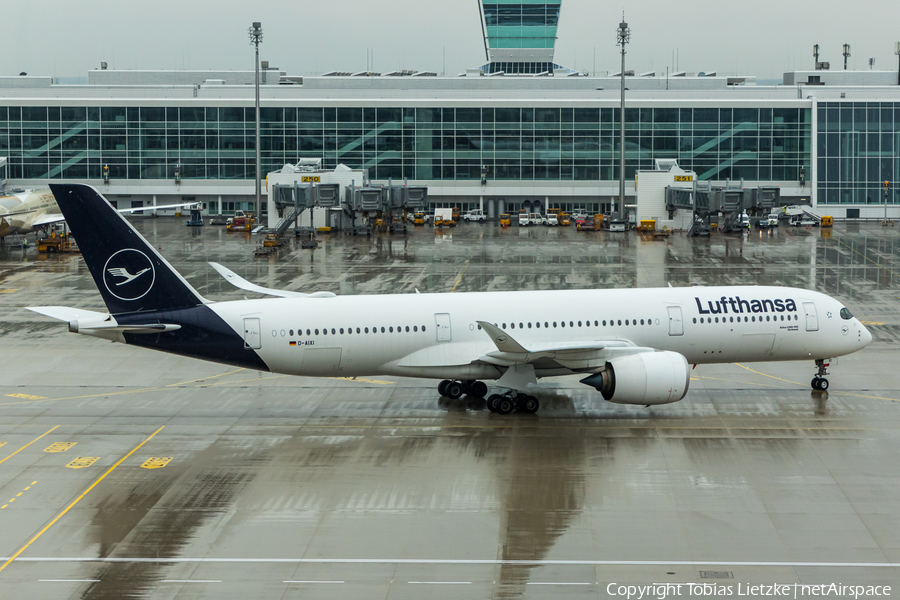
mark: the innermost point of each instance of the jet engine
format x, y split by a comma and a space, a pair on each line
645, 378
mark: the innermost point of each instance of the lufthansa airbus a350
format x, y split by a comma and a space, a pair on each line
635, 346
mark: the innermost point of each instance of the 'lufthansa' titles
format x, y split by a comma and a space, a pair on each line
739, 306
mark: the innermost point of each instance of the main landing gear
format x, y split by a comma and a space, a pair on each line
819, 383
504, 404
455, 389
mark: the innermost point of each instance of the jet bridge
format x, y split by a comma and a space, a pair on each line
726, 204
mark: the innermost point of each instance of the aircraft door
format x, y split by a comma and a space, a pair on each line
812, 319
252, 337
676, 323
442, 324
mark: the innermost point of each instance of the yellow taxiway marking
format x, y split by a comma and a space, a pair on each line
378, 381
205, 378
463, 272
11, 500
252, 379
27, 396
156, 462
2, 444
9, 291
28, 444
769, 376
871, 323
82, 462
59, 446
78, 499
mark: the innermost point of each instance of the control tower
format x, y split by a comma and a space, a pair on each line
520, 35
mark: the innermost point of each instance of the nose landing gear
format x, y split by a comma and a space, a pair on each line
819, 383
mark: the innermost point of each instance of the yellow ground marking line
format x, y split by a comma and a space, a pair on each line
78, 499
471, 256
841, 393
253, 379
866, 257
378, 381
138, 391
769, 376
28, 444
733, 381
11, 500
9, 291
871, 323
205, 378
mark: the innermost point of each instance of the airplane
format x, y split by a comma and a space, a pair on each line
634, 346
22, 212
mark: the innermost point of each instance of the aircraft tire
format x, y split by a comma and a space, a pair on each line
823, 384
442, 387
528, 404
492, 402
505, 405
478, 389
453, 390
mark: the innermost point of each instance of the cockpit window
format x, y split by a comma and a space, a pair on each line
845, 314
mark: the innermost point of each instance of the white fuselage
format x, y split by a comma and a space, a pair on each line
436, 335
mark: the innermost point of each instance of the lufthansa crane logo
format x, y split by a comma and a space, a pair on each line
128, 274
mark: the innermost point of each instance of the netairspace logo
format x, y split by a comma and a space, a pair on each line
661, 591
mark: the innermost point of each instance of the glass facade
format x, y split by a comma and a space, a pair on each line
521, 23
517, 144
858, 150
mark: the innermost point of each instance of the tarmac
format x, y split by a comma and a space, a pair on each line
126, 473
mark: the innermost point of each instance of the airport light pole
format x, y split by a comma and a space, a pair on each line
256, 36
897, 52
623, 36
846, 55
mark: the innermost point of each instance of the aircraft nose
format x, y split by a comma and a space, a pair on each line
865, 337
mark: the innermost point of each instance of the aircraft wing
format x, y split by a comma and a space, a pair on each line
239, 282
570, 355
48, 219
508, 352
163, 207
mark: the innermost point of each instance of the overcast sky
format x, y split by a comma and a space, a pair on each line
751, 37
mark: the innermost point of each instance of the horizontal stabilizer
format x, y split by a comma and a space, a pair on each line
64, 313
239, 282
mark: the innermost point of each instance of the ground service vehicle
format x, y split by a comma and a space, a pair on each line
565, 219
504, 220
418, 218
474, 215
551, 219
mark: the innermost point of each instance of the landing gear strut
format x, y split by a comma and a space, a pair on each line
819, 383
455, 389
506, 403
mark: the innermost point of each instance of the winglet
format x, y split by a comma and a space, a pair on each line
501, 339
239, 282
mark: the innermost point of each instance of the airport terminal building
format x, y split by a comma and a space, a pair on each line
501, 136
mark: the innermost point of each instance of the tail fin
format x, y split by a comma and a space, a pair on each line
130, 274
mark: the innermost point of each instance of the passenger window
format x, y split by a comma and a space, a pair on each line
291, 332
767, 317
521, 326
366, 330
407, 329
332, 331
546, 325
415, 328
307, 332
357, 330
604, 323
579, 323
642, 321
391, 329
512, 325
554, 323
529, 325
324, 332
571, 324
382, 330
317, 332
562, 323
504, 326
423, 328
695, 320
596, 324
342, 331
620, 321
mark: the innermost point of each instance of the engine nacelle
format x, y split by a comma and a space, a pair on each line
645, 378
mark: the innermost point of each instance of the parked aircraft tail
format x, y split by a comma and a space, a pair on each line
130, 274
